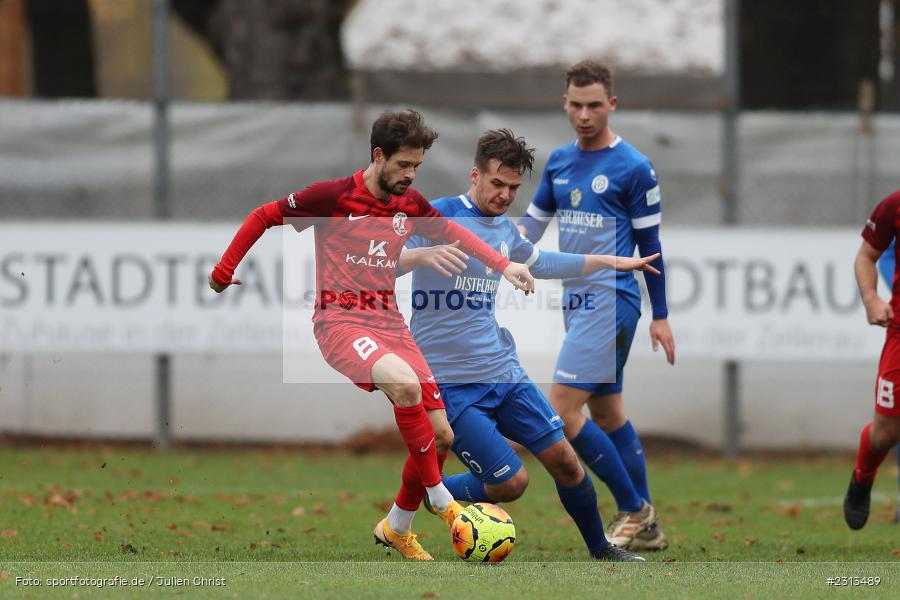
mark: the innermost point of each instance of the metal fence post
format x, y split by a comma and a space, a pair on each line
729, 185
161, 197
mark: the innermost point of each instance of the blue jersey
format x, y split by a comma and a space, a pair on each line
466, 343
453, 320
587, 189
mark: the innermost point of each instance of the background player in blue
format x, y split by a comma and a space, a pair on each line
486, 392
587, 184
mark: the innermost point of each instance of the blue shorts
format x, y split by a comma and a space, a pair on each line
595, 349
483, 414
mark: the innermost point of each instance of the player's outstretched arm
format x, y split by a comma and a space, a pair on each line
254, 225
596, 262
446, 259
564, 265
878, 312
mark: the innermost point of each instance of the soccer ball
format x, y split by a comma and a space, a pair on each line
483, 533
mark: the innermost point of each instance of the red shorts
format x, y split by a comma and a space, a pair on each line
888, 378
353, 349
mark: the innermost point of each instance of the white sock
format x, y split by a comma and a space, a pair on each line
400, 520
439, 496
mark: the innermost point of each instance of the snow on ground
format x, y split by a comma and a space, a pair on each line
649, 36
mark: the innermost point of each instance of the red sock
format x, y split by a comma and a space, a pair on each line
867, 458
412, 492
417, 432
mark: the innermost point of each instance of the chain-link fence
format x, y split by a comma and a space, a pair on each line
80, 160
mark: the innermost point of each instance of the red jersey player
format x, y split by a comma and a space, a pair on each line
362, 223
883, 433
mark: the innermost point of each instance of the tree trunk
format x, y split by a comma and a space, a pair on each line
61, 48
275, 49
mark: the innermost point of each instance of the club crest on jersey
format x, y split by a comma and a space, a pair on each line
504, 251
599, 184
575, 197
400, 223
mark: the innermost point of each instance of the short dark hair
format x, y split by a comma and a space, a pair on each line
394, 129
586, 72
503, 145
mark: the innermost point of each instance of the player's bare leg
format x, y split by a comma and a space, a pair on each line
562, 463
568, 402
509, 490
425, 432
876, 440
608, 411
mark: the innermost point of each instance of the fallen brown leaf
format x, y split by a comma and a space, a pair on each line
8, 533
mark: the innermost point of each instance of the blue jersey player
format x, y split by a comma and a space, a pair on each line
487, 394
602, 191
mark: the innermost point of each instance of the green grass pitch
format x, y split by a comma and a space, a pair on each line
299, 524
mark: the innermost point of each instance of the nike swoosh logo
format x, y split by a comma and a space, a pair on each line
436, 395
425, 449
356, 218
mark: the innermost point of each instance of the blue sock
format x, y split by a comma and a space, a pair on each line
632, 455
466, 486
598, 452
581, 504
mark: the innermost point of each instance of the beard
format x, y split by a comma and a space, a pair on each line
396, 189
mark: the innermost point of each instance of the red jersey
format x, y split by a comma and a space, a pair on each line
358, 243
882, 226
